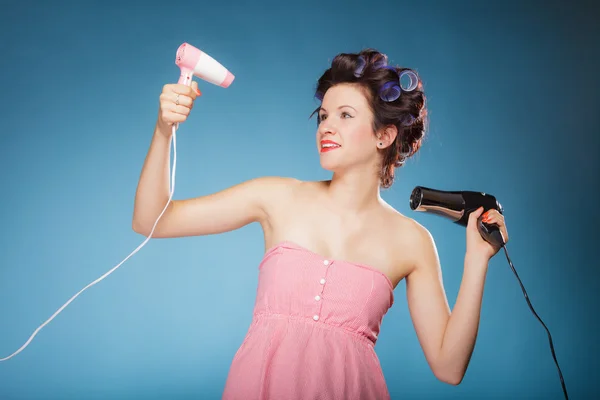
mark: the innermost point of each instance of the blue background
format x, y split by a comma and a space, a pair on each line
513, 98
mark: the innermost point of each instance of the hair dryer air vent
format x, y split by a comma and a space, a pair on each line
180, 54
415, 198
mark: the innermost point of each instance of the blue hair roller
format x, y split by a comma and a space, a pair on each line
392, 90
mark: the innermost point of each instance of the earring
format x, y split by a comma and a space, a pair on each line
380, 144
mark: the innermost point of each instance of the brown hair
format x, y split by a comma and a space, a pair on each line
407, 113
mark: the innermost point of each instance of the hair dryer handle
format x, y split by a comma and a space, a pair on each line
490, 232
186, 77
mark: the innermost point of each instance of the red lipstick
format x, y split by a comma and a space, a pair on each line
329, 145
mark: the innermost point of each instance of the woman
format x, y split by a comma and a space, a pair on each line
334, 250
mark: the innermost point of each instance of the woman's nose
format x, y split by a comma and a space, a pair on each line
326, 127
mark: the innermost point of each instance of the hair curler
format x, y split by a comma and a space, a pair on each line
192, 62
457, 206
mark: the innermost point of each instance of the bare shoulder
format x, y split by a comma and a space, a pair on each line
297, 191
275, 181
414, 244
274, 190
405, 228
280, 185
273, 184
281, 194
424, 252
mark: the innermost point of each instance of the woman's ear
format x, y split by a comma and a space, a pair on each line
387, 136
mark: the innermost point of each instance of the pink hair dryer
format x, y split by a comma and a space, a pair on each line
194, 62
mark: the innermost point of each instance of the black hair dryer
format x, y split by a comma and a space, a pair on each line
457, 206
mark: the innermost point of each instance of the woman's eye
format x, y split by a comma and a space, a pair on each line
323, 117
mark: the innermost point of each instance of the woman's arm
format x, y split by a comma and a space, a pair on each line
448, 337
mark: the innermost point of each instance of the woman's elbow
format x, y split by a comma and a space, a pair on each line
453, 379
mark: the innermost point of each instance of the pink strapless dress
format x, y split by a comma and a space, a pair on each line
313, 332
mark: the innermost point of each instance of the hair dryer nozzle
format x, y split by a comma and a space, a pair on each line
194, 62
447, 204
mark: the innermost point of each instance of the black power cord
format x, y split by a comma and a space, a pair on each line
562, 381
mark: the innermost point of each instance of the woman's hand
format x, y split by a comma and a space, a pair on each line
176, 103
477, 247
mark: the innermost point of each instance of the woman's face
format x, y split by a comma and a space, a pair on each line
345, 133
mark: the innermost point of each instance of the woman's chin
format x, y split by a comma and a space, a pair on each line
329, 165
335, 161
